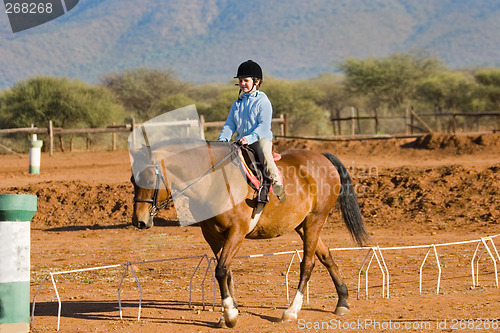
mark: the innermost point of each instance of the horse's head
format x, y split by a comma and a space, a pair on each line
150, 195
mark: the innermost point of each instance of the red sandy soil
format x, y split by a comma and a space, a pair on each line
433, 190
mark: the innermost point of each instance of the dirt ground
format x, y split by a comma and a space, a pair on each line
434, 190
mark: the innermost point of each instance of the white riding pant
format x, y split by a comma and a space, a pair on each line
264, 150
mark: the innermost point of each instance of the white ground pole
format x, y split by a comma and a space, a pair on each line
127, 266
293, 253
484, 242
132, 264
297, 253
286, 277
57, 293
209, 268
376, 252
432, 247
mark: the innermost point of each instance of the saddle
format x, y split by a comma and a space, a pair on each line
254, 171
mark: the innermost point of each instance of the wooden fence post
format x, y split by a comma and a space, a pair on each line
113, 139
353, 119
202, 127
376, 121
437, 118
407, 121
454, 119
51, 139
133, 133
357, 121
334, 123
339, 123
282, 125
498, 118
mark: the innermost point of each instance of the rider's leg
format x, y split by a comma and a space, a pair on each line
264, 150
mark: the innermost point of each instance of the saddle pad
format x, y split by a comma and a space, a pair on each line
253, 180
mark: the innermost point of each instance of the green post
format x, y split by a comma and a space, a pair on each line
16, 212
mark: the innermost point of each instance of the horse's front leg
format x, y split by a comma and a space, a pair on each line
222, 273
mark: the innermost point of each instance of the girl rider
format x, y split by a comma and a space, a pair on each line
250, 117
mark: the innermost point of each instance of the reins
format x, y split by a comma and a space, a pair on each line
155, 206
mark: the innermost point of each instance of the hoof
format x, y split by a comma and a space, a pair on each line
341, 310
288, 316
222, 323
230, 317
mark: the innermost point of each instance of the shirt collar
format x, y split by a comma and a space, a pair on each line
254, 94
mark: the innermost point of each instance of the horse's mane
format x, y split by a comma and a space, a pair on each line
177, 145
184, 141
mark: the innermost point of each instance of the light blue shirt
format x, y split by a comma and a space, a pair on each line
250, 117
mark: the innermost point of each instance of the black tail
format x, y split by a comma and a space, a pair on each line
349, 203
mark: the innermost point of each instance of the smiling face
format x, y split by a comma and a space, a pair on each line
248, 85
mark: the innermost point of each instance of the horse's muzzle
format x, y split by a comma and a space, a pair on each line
139, 223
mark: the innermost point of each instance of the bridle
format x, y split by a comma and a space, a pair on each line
156, 206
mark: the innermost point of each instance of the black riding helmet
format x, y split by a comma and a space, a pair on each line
249, 69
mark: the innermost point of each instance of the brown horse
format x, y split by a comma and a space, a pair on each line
313, 183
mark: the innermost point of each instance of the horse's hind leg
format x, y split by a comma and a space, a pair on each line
311, 227
325, 256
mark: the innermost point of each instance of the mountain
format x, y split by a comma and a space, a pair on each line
205, 40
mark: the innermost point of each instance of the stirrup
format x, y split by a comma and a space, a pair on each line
263, 195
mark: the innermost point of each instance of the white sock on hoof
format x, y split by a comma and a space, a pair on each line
291, 313
230, 312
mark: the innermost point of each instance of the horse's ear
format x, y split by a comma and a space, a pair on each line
138, 154
133, 152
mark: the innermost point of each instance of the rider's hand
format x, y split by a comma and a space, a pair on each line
243, 141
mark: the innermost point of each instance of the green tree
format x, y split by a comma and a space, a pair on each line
298, 100
489, 86
219, 109
171, 103
68, 103
447, 90
140, 90
391, 80
333, 98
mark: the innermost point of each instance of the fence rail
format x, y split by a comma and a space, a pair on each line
414, 122
413, 125
52, 131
